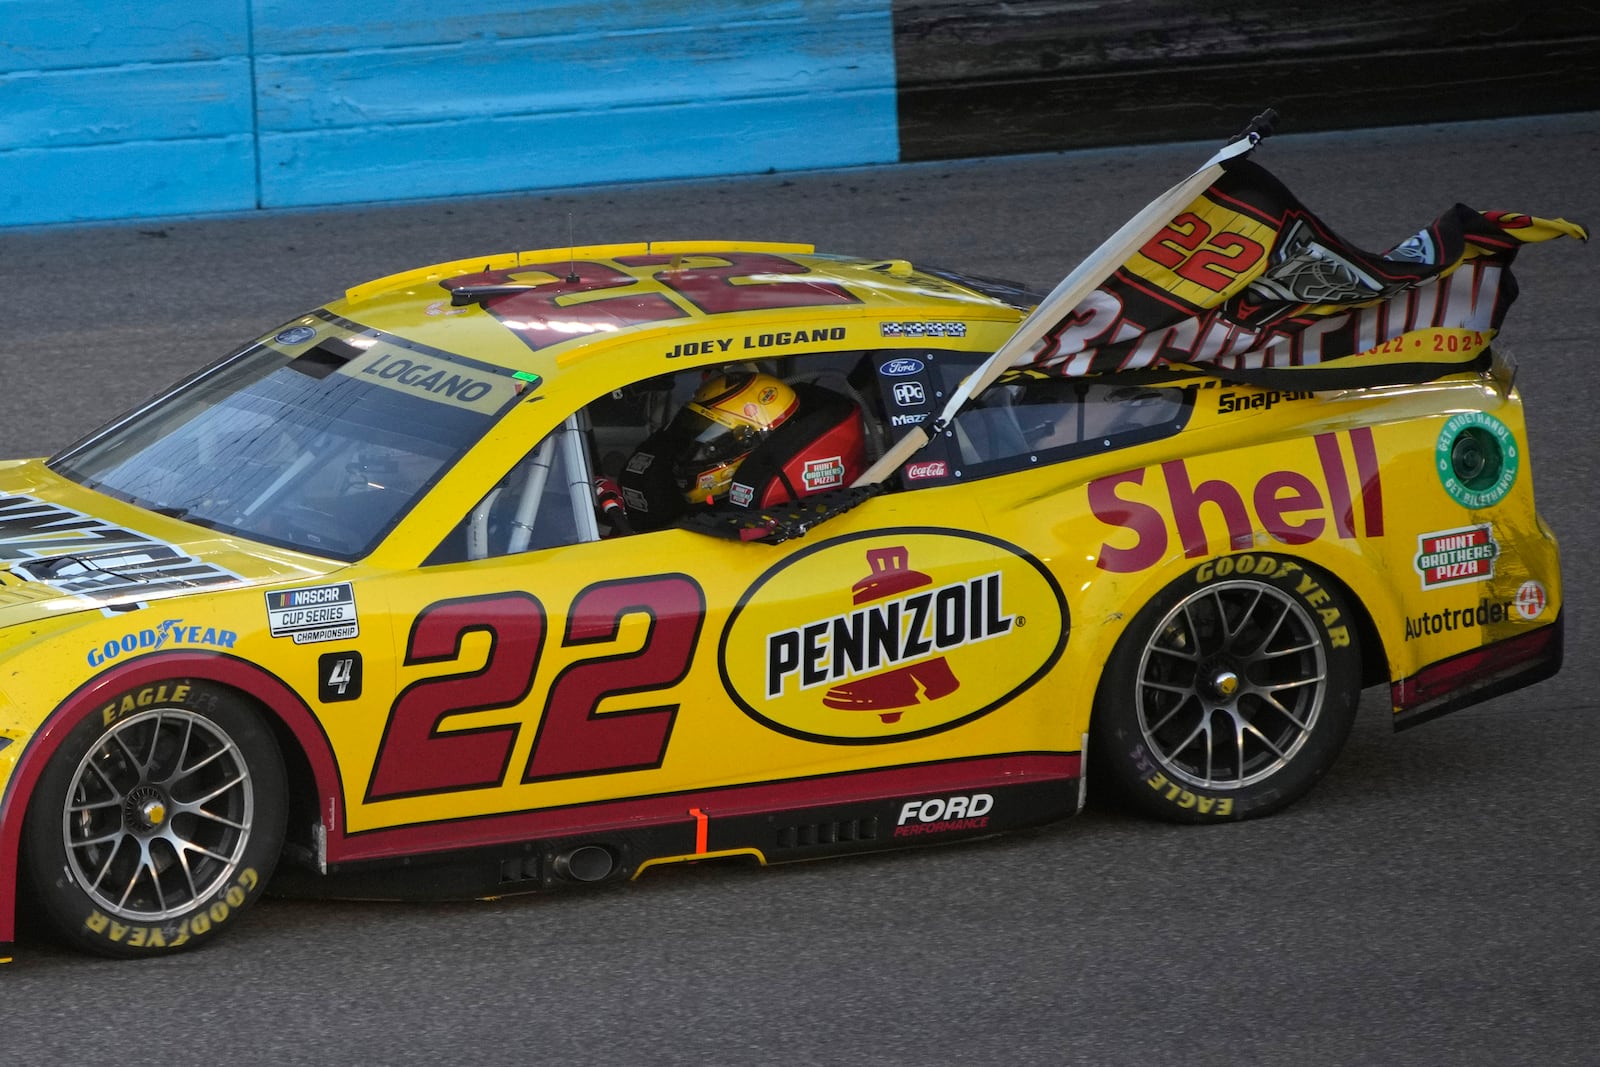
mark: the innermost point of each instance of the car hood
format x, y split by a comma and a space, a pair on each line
67, 549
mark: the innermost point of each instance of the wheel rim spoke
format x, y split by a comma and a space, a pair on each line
139, 851
1173, 711
189, 772
1257, 656
1266, 640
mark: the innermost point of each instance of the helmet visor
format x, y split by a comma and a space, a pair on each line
709, 442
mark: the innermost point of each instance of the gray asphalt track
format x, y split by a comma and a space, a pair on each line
1433, 902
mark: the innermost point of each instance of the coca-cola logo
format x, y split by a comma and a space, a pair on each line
919, 472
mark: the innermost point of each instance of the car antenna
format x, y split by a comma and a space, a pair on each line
572, 253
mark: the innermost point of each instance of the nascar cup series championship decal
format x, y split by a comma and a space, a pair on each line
1477, 458
891, 635
313, 613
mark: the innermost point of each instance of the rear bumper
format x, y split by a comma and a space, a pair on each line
1477, 675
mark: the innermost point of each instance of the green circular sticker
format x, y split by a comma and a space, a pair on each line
1477, 459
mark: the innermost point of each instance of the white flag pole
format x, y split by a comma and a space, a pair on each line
1072, 290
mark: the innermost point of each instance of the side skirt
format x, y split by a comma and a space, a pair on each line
769, 837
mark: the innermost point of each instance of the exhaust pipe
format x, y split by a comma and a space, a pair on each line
586, 863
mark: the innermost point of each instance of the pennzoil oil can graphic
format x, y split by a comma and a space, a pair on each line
936, 628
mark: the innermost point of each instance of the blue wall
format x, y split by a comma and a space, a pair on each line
110, 110
113, 109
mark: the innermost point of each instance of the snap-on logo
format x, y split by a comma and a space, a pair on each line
938, 628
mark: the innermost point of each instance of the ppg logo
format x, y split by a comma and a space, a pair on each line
908, 394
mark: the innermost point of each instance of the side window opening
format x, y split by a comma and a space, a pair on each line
1024, 420
600, 475
545, 501
1031, 420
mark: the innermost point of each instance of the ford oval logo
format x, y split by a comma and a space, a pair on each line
295, 335
899, 368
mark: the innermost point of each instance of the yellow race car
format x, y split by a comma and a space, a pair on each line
550, 567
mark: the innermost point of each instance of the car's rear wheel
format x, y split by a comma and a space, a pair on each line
1230, 693
157, 821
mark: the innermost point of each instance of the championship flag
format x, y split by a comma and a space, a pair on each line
1229, 273
1248, 283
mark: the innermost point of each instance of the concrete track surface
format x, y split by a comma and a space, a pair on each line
1434, 901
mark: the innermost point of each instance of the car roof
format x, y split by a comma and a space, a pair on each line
547, 308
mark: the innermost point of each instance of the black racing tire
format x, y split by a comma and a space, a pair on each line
1230, 694
157, 822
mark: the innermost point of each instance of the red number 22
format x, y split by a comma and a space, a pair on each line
1189, 249
415, 757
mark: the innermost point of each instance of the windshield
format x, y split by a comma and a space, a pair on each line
319, 437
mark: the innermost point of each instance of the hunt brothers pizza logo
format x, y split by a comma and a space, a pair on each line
934, 629
1452, 557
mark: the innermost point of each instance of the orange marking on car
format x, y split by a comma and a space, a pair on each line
700, 824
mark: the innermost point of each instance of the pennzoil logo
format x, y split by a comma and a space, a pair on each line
900, 634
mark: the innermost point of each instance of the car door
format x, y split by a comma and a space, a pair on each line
550, 679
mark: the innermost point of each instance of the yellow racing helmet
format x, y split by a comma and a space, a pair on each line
726, 418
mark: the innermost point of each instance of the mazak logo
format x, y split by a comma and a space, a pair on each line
1452, 557
908, 420
909, 394
899, 368
921, 472
939, 627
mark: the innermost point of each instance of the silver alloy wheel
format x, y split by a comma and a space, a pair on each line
1231, 684
158, 814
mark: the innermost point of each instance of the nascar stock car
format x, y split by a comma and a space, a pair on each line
548, 568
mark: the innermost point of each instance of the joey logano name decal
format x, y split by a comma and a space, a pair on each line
891, 635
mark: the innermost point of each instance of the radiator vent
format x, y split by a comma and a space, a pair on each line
810, 835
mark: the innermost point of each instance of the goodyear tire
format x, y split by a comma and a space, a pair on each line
1230, 693
157, 822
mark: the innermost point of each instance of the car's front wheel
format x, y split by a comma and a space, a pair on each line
157, 821
1230, 693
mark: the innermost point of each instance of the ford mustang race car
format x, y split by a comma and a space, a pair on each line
554, 566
